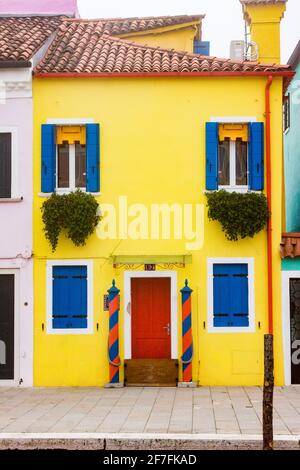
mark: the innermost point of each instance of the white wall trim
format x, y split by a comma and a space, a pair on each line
128, 275
17, 338
286, 322
210, 295
70, 121
233, 119
14, 159
90, 318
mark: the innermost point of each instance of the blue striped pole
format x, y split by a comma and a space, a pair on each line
113, 340
187, 339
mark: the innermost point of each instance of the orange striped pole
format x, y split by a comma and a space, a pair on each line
113, 339
187, 339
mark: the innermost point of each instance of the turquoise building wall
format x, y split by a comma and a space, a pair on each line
291, 264
292, 158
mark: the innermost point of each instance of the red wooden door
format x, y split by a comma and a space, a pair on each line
151, 318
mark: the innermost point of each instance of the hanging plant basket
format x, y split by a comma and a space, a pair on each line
75, 214
241, 215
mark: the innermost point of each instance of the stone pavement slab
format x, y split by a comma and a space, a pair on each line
170, 411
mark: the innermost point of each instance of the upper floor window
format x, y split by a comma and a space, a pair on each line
5, 165
70, 158
233, 164
235, 156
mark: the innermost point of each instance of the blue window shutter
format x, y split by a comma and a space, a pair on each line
212, 141
256, 156
201, 47
93, 157
69, 297
48, 157
221, 297
230, 286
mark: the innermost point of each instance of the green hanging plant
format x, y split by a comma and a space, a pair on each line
240, 214
74, 213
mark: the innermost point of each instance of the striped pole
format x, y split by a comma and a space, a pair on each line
187, 339
113, 339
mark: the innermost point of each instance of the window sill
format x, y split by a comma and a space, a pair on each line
236, 189
65, 192
231, 190
231, 329
11, 200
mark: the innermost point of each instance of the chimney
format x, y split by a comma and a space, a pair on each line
264, 17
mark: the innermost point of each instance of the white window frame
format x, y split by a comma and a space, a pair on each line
49, 302
210, 295
234, 120
72, 171
232, 171
14, 160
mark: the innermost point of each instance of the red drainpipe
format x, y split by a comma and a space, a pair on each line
269, 197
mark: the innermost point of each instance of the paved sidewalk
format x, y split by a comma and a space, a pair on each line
209, 411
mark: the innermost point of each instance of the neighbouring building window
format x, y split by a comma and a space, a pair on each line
235, 156
201, 47
287, 113
5, 165
70, 158
231, 293
69, 297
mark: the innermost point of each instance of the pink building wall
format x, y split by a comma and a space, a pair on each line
16, 217
16, 231
40, 7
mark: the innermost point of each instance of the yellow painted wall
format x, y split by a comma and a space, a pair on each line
265, 29
153, 150
179, 39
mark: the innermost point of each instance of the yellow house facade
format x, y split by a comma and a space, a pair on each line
155, 120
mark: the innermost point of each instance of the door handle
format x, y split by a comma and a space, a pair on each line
167, 328
128, 308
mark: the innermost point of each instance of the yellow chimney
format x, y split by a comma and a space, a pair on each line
264, 17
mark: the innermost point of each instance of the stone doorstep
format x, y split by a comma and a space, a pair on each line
148, 441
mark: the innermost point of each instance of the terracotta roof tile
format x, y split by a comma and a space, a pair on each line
22, 37
119, 26
290, 245
81, 47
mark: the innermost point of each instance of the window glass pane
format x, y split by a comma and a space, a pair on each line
5, 165
80, 165
224, 178
241, 152
63, 179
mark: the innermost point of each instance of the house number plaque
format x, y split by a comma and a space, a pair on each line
150, 267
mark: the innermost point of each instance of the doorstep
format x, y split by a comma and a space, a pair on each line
151, 372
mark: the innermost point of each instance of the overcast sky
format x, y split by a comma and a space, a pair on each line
223, 22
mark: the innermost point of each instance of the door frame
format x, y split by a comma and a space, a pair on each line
286, 323
128, 275
15, 381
